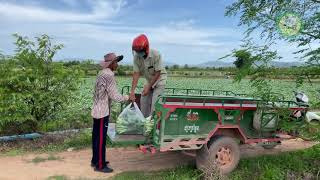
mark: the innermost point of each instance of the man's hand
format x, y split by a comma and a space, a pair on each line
126, 97
146, 90
132, 97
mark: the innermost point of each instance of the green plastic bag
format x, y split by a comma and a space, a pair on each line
130, 120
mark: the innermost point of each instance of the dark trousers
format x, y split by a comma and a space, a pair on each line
99, 132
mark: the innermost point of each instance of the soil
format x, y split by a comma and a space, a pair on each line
76, 164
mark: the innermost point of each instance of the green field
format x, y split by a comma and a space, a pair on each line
77, 115
284, 87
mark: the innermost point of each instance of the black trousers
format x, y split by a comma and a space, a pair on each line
99, 133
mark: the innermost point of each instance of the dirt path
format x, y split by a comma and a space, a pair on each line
75, 164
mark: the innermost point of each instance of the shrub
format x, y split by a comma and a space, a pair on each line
33, 88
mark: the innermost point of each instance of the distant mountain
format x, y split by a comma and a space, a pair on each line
216, 64
230, 64
75, 59
170, 64
286, 64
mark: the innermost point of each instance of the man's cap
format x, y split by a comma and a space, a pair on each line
109, 58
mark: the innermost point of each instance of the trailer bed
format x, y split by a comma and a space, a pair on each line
124, 138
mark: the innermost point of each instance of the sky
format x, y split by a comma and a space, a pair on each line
184, 32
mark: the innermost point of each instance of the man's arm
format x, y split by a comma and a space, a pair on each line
135, 78
147, 88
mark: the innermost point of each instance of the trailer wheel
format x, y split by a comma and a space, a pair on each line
223, 153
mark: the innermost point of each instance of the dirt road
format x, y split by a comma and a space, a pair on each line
75, 164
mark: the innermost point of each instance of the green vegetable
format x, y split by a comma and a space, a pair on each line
130, 121
148, 126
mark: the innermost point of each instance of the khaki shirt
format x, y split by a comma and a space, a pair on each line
149, 66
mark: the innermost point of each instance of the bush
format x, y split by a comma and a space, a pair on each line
121, 71
33, 88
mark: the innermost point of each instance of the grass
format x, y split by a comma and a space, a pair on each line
13, 152
181, 173
63, 177
37, 160
78, 141
298, 164
51, 157
54, 158
57, 177
301, 164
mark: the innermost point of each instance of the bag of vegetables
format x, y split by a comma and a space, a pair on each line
130, 120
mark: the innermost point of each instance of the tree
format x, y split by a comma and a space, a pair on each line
89, 66
254, 61
32, 87
175, 66
264, 15
186, 66
71, 63
293, 21
121, 70
243, 58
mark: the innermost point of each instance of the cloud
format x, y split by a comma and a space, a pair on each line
88, 34
101, 10
159, 35
183, 23
177, 43
71, 3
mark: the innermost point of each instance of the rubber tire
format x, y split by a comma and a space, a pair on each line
203, 153
269, 146
207, 153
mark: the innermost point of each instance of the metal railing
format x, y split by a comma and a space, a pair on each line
229, 100
190, 91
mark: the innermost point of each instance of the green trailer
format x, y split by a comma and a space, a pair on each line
213, 123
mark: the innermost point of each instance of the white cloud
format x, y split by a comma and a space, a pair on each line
101, 10
89, 35
160, 35
84, 39
187, 23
